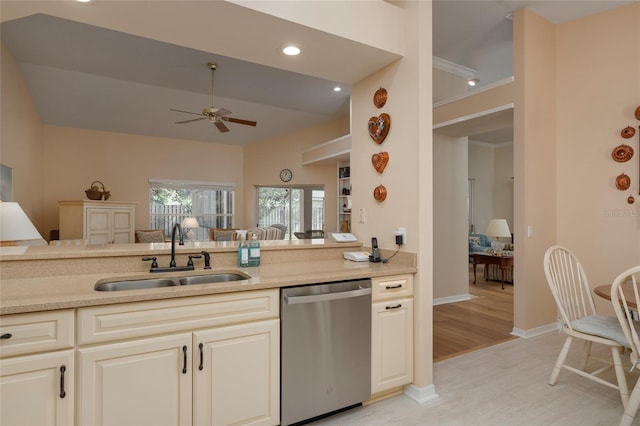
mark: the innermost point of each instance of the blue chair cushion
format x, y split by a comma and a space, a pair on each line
602, 326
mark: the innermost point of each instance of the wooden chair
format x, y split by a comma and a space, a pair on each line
314, 233
223, 234
568, 283
282, 228
150, 236
625, 298
75, 242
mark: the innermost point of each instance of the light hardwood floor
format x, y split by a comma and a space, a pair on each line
485, 320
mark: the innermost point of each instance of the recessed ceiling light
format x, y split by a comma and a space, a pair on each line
83, 1
473, 81
291, 50
337, 89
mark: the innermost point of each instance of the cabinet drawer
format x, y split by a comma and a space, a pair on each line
392, 287
36, 332
113, 322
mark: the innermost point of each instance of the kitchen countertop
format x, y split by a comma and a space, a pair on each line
20, 295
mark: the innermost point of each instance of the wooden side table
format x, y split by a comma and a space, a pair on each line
489, 259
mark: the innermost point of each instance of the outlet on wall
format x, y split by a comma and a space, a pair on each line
401, 236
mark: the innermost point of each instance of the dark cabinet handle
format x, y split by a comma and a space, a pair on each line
201, 366
184, 352
391, 287
62, 392
6, 336
399, 305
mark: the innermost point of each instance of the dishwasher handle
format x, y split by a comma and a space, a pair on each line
314, 298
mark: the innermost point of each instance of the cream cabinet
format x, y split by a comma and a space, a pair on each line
141, 382
36, 378
237, 378
392, 333
98, 222
201, 360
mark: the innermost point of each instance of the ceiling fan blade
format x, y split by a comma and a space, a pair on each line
221, 126
186, 112
239, 121
191, 121
223, 111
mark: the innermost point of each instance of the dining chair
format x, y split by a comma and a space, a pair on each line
625, 304
223, 234
577, 314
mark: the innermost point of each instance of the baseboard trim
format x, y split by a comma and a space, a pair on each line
532, 332
451, 299
421, 395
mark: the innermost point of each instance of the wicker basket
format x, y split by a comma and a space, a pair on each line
97, 192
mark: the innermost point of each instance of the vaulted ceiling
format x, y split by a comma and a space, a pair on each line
88, 76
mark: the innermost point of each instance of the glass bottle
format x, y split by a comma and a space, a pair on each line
254, 251
243, 253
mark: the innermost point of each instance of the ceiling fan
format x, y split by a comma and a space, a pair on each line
215, 115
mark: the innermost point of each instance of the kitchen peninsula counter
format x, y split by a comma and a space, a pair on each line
48, 278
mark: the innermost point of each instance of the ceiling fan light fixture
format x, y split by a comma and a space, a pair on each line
291, 50
473, 81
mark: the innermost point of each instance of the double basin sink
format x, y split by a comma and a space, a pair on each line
132, 284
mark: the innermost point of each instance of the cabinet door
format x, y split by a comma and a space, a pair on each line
98, 226
391, 344
122, 225
37, 390
141, 382
237, 374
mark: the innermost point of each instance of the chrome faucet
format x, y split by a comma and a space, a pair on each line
177, 226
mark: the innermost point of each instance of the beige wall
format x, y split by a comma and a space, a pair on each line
409, 174
451, 248
503, 183
598, 88
481, 170
534, 166
491, 167
21, 140
124, 163
264, 160
573, 96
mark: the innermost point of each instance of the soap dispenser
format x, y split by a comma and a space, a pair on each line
254, 251
243, 253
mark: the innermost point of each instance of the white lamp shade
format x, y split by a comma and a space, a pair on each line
190, 222
498, 228
15, 225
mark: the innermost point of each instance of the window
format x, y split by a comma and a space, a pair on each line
300, 208
170, 202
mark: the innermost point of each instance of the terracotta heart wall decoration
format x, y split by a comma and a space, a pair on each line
380, 161
379, 127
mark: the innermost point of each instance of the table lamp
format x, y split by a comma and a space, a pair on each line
498, 228
188, 224
15, 226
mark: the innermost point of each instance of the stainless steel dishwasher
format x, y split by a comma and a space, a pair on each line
325, 348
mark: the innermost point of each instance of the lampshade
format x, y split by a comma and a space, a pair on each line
498, 228
15, 225
190, 222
